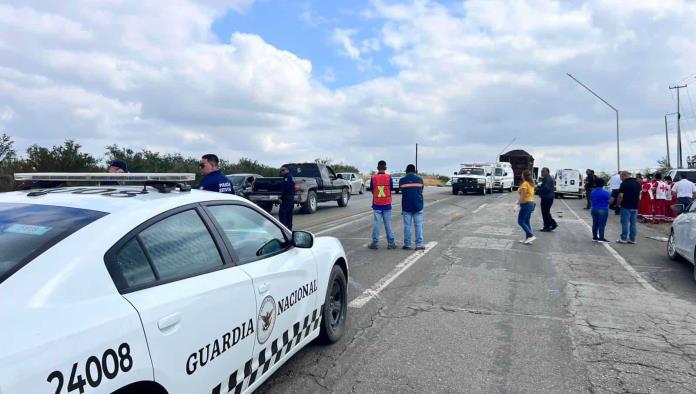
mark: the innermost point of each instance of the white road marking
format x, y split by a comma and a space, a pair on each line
617, 256
479, 208
399, 269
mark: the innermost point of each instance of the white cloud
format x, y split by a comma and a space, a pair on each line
467, 78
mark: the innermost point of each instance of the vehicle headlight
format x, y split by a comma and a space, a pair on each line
481, 181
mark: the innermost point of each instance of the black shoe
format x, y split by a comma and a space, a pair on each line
406, 247
545, 230
554, 227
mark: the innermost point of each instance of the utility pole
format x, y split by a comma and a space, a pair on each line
669, 164
679, 145
416, 157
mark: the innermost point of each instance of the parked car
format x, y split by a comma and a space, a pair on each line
242, 183
396, 177
682, 237
156, 289
357, 185
569, 182
314, 183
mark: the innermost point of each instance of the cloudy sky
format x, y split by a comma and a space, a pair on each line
354, 80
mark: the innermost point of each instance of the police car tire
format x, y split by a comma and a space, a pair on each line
671, 250
333, 325
362, 189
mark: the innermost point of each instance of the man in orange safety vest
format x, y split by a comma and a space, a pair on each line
382, 186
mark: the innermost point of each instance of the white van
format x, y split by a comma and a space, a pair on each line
569, 183
503, 177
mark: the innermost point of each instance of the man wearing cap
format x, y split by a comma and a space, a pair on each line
213, 180
116, 167
412, 206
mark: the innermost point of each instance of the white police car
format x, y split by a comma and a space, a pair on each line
157, 289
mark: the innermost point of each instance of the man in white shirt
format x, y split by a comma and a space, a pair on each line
614, 185
686, 191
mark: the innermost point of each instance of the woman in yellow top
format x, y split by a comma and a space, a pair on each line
527, 205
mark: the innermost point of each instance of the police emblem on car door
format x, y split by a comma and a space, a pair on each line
266, 319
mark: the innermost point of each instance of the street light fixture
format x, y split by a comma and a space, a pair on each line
618, 161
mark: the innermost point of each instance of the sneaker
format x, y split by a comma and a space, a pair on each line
406, 247
595, 239
373, 245
529, 240
420, 247
604, 241
391, 246
631, 242
621, 241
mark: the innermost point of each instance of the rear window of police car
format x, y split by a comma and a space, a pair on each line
27, 230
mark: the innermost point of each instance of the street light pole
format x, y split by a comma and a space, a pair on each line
618, 159
669, 163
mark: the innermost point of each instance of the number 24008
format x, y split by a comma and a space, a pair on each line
108, 366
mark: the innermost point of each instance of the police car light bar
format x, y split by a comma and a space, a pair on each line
101, 177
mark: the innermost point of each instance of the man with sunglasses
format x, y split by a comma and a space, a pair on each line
213, 180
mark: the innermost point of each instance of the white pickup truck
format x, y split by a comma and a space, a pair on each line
473, 177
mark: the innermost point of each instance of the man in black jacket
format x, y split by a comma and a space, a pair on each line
590, 184
547, 192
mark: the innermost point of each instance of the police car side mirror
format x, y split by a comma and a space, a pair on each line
678, 208
302, 239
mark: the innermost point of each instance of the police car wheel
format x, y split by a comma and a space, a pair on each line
335, 307
671, 249
362, 189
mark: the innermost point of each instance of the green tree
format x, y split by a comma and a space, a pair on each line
663, 167
63, 158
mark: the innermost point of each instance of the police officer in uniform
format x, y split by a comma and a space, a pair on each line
287, 198
213, 180
116, 167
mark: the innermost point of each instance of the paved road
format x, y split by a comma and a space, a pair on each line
480, 312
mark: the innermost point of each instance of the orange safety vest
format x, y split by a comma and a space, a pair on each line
381, 192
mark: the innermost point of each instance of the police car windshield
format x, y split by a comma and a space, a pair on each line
471, 171
27, 230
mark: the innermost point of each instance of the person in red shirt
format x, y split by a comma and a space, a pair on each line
382, 186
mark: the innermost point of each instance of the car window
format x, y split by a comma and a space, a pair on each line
27, 230
180, 245
133, 265
303, 170
690, 175
250, 233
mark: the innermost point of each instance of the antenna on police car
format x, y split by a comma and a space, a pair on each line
163, 182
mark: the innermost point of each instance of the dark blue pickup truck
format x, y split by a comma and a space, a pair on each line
314, 183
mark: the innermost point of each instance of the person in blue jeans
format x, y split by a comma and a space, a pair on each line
600, 210
629, 196
411, 187
382, 186
527, 205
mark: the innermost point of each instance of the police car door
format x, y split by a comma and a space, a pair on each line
285, 281
199, 316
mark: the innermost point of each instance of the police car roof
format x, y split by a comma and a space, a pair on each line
113, 199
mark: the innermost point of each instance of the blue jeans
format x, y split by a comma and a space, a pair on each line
525, 216
382, 216
599, 222
417, 219
628, 224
